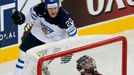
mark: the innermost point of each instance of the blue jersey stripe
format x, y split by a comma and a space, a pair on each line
34, 17
71, 30
73, 34
21, 61
18, 66
48, 28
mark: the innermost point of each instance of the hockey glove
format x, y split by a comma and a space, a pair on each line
18, 18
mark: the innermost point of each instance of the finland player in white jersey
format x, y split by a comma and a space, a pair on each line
51, 23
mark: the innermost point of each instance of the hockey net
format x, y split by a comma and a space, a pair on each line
108, 51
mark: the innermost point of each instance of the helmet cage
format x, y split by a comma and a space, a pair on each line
85, 60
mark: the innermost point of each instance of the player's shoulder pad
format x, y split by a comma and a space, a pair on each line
40, 9
65, 19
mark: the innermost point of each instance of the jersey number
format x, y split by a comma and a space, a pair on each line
69, 22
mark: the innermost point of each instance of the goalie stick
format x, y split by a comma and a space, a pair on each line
13, 25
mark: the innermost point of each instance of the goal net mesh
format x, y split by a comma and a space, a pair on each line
108, 52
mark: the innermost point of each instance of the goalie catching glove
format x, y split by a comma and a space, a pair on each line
18, 18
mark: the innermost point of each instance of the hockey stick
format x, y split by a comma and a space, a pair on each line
13, 25
23, 5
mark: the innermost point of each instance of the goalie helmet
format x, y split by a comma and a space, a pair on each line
51, 3
86, 64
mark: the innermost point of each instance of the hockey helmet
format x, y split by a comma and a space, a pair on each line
51, 3
86, 64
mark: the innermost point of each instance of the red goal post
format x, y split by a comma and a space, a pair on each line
87, 47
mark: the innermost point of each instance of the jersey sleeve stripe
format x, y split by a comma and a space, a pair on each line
18, 66
72, 33
33, 14
71, 30
34, 17
21, 61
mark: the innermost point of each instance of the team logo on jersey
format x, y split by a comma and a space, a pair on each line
8, 31
46, 29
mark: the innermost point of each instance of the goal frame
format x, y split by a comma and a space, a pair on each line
87, 47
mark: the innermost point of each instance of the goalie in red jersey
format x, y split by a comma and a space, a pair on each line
86, 66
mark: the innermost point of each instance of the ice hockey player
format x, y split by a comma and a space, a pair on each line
50, 23
86, 66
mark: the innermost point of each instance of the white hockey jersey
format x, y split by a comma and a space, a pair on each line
48, 29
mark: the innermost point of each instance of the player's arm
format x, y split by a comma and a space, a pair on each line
37, 11
68, 23
71, 29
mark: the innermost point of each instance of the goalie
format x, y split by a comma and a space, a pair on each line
86, 66
49, 23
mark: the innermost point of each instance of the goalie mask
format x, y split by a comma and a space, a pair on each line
85, 64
